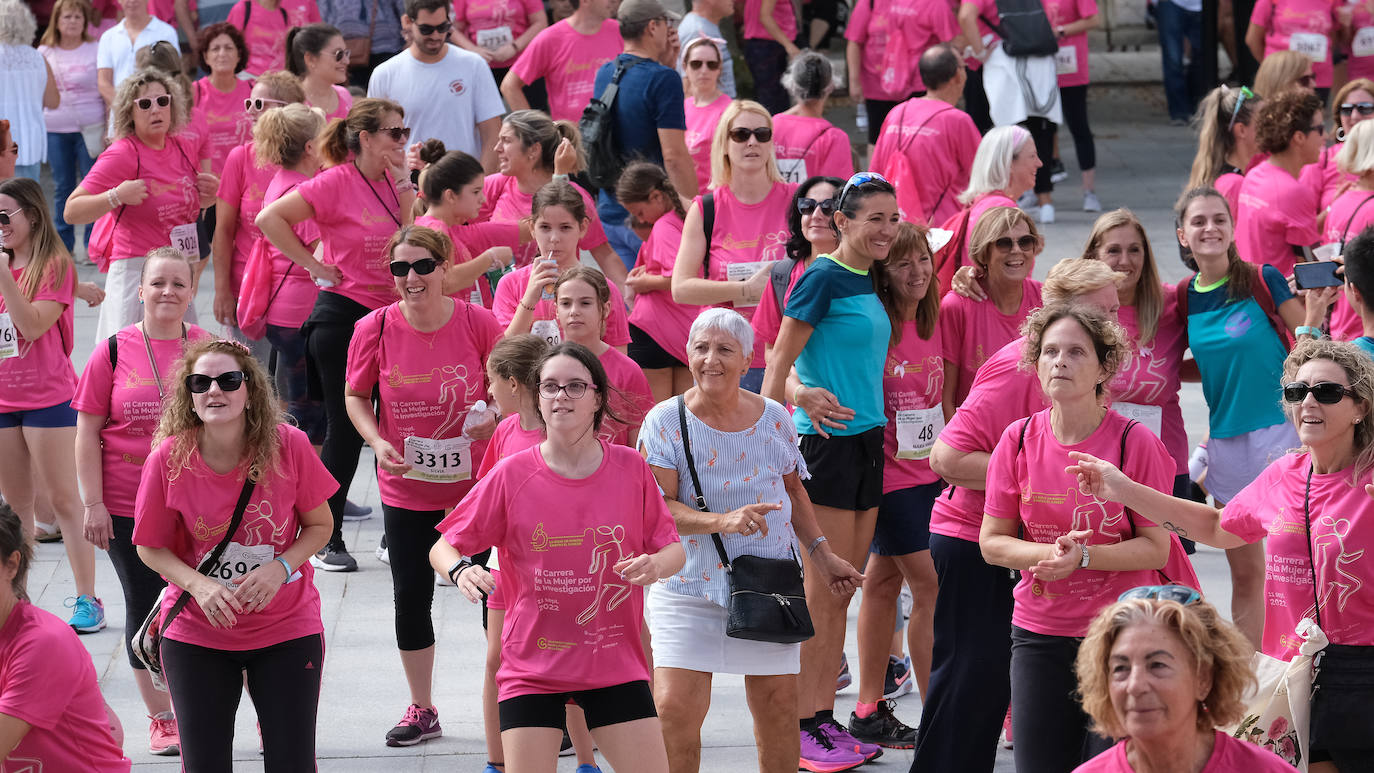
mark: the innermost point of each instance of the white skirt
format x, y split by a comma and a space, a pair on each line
689, 632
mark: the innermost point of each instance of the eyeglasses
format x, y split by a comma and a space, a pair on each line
430, 29
423, 267
1307, 81
741, 135
257, 105
710, 64
1364, 108
861, 178
1180, 593
5, 216
1025, 243
1326, 392
1318, 129
1245, 93
397, 133
199, 383
807, 206
573, 389
146, 103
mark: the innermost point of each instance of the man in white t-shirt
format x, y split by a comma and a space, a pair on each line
114, 55
447, 93
704, 21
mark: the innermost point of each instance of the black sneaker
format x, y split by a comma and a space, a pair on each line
882, 728
566, 748
1058, 173
334, 558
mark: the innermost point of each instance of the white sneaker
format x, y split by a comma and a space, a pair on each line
384, 554
1046, 214
46, 532
1090, 202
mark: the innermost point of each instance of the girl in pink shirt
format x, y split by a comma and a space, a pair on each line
705, 103
265, 25
566, 56
316, 54
1278, 214
256, 612
218, 113
497, 30
579, 523
425, 358
1304, 26
120, 399
770, 29
1071, 20
807, 144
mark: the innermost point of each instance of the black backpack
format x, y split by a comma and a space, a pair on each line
604, 161
1024, 28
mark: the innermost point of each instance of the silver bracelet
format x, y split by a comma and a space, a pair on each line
112, 196
815, 543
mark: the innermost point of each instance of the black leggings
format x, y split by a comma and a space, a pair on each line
1075, 102
1052, 732
409, 536
327, 335
141, 585
1042, 132
284, 683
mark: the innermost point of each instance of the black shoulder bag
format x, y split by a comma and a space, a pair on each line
767, 597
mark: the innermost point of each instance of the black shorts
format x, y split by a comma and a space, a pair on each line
903, 525
846, 470
603, 706
647, 354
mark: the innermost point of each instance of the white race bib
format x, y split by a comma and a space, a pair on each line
186, 240
793, 170
1152, 416
9, 338
547, 329
1309, 44
475, 296
1327, 251
1066, 60
239, 560
445, 460
1363, 44
917, 430
494, 38
739, 272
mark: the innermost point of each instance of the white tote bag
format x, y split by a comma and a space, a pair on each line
1278, 709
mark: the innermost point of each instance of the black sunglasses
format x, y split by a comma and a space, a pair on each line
5, 216
710, 64
1365, 108
146, 103
430, 29
1318, 129
807, 206
423, 267
397, 133
1027, 243
199, 383
341, 54
741, 135
1326, 392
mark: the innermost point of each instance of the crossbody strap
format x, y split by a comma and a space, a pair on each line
1311, 560
213, 558
1345, 231
697, 499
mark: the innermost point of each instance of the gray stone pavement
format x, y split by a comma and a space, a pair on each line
1142, 163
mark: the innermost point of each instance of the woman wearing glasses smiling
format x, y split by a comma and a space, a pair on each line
1313, 507
705, 102
316, 54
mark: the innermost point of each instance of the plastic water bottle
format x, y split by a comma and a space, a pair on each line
861, 117
479, 413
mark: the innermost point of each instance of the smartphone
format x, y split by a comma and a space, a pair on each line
1318, 273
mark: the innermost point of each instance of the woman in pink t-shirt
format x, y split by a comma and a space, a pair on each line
1225, 141
810, 235
579, 509
357, 204
497, 30
729, 266
705, 103
1308, 510
220, 448
806, 144
1303, 26
265, 25
770, 32
37, 381
70, 51
1071, 20
1278, 215
218, 114
1350, 214
1003, 168
1075, 556
424, 356
119, 399
883, 42
317, 55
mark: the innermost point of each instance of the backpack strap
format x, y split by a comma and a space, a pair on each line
1181, 299
1122, 467
778, 277
708, 225
114, 351
1259, 290
1346, 231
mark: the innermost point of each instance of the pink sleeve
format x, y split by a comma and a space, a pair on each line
364, 351
506, 297
232, 176
532, 7
857, 27
493, 451
836, 158
236, 14
155, 524
478, 521
319, 194
314, 485
767, 321
530, 65
94, 390
659, 528
951, 326
61, 293
617, 326
480, 237
1302, 218
1262, 14
312, 12
1086, 8
117, 164
491, 193
487, 331
41, 680
1003, 493
596, 235
946, 25
1239, 516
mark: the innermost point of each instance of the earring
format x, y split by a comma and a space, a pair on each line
1340, 134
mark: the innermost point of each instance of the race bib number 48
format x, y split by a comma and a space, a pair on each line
917, 430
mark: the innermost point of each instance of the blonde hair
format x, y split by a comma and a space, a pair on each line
911, 241
1359, 371
281, 134
122, 111
721, 171
1279, 72
1149, 294
1110, 343
1073, 278
282, 85
1215, 133
52, 36
1356, 155
992, 225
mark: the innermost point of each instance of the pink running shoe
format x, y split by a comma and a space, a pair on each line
819, 754
163, 738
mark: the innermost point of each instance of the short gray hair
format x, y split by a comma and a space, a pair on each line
727, 321
18, 27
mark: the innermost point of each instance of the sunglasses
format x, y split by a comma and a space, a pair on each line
710, 64
199, 383
5, 216
257, 105
1025, 243
341, 54
146, 103
1245, 93
741, 135
397, 133
430, 29
1180, 593
1326, 392
573, 389
807, 206
1364, 108
861, 178
423, 267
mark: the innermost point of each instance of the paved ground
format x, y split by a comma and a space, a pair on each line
1142, 163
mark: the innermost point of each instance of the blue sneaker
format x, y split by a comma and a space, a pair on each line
88, 614
490, 768
588, 769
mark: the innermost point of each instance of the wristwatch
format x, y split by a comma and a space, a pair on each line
457, 569
1084, 563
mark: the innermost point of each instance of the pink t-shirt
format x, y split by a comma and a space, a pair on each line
567, 60
1272, 506
356, 218
506, 203
511, 291
74, 72
634, 399
42, 376
1151, 378
1325, 177
701, 130
1029, 484
48, 681
913, 377
189, 513
129, 400
1361, 65
470, 240
1229, 755
428, 382
767, 319
221, 119
172, 197
295, 290
508, 439
474, 16
1299, 25
572, 623
655, 312
345, 103
244, 183
782, 14
940, 141
1228, 185
808, 146
266, 30
893, 36
1276, 212
1073, 68
1349, 216
974, 330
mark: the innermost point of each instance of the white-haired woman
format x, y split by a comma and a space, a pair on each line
1003, 169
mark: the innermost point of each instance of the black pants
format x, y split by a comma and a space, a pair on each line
969, 675
409, 536
1075, 102
328, 332
141, 585
284, 683
767, 60
1049, 725
976, 101
1042, 132
877, 113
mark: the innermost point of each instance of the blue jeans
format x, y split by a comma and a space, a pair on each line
31, 171
625, 243
1182, 88
69, 161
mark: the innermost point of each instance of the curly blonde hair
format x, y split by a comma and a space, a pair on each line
1110, 341
1215, 646
262, 413
1359, 371
122, 111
